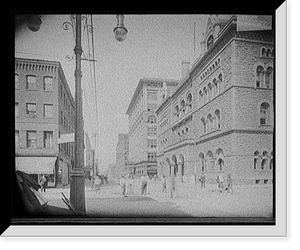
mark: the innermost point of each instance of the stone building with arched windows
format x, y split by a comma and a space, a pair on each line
220, 118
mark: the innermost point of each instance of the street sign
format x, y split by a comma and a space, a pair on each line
66, 138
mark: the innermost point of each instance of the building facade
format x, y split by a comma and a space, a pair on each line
220, 118
44, 111
142, 134
122, 152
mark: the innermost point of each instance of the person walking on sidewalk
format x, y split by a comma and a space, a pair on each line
42, 183
202, 180
129, 190
164, 184
229, 184
123, 185
144, 184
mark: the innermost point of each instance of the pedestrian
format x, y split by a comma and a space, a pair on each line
123, 185
221, 183
229, 184
129, 185
42, 183
144, 184
164, 184
202, 180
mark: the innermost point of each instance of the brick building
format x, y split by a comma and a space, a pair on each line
44, 111
220, 117
142, 135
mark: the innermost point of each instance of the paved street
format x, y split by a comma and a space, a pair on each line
190, 201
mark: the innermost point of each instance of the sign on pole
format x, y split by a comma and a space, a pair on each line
66, 138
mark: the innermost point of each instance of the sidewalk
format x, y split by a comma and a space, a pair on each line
245, 201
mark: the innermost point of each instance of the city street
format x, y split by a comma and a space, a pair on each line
190, 201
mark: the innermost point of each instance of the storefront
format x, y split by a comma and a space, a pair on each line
38, 166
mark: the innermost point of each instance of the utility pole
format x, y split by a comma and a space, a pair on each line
77, 185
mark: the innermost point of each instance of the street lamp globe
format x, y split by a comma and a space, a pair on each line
120, 31
34, 22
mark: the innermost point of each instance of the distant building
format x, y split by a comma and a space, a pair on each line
89, 156
44, 112
142, 135
122, 152
220, 117
112, 172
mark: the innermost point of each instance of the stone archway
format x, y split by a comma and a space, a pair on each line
168, 166
180, 164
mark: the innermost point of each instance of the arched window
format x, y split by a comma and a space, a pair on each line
259, 76
151, 119
189, 100
220, 79
210, 42
209, 122
263, 52
182, 106
177, 110
205, 95
268, 54
202, 162
210, 160
209, 92
200, 98
264, 161
264, 113
256, 158
269, 78
271, 161
204, 125
215, 83
217, 114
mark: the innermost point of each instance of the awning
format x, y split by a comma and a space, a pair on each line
36, 165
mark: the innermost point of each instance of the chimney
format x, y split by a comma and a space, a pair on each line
185, 67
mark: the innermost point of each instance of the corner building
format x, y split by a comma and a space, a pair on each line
220, 117
142, 135
44, 111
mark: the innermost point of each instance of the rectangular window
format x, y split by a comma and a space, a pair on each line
151, 143
48, 83
152, 131
17, 139
152, 96
31, 83
17, 86
151, 156
16, 109
48, 111
151, 106
48, 139
31, 139
31, 110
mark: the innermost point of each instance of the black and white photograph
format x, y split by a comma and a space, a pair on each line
154, 119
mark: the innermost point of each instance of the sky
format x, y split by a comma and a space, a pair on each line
155, 46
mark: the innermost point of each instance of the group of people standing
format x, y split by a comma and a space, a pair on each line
126, 184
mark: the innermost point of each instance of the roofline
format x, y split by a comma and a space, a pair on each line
143, 81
